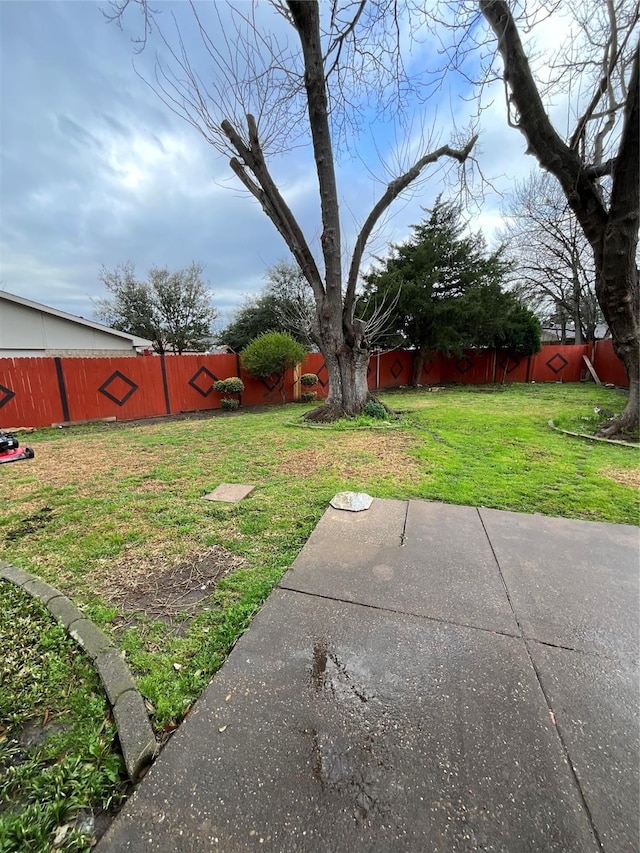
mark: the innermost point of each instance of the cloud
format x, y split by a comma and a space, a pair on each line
97, 171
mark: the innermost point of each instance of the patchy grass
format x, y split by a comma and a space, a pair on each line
114, 516
58, 766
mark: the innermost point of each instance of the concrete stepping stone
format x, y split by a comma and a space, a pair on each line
229, 493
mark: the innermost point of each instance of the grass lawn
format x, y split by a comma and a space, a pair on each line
114, 517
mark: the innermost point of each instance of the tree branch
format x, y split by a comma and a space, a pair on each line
543, 141
605, 81
269, 196
306, 20
391, 193
601, 169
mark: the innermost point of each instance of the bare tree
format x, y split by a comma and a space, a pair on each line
171, 309
263, 88
553, 267
598, 163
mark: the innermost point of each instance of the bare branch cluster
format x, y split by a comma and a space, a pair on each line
553, 263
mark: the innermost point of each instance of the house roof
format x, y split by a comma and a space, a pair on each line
73, 318
555, 330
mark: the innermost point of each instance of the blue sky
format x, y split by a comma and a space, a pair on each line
95, 170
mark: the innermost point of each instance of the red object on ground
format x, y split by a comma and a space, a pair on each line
10, 450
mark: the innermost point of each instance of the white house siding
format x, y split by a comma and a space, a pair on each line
27, 331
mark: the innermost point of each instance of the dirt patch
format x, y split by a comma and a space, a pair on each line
357, 455
30, 524
624, 476
167, 593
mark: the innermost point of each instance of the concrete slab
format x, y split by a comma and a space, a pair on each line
229, 493
572, 583
449, 544
445, 570
337, 727
595, 702
382, 524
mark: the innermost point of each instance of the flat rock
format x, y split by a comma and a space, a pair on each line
351, 501
229, 493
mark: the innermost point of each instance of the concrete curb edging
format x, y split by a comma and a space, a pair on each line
592, 437
136, 736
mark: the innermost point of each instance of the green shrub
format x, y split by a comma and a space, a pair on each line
229, 403
271, 354
232, 385
309, 379
308, 396
375, 410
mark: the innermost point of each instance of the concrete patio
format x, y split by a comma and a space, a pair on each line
427, 677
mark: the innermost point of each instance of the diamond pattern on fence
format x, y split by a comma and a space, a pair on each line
509, 363
427, 367
323, 375
557, 363
396, 368
270, 384
116, 381
7, 394
463, 364
199, 386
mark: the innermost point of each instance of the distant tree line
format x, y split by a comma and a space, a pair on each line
171, 309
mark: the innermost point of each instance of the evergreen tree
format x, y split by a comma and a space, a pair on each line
443, 291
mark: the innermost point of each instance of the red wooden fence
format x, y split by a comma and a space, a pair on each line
41, 391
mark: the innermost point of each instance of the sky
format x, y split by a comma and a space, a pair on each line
95, 170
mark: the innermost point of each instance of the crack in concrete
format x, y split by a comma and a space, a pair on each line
552, 715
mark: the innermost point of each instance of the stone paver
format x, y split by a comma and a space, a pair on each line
14, 574
229, 493
89, 636
64, 610
114, 674
44, 591
134, 729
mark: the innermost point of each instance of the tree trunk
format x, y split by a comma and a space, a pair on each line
348, 380
418, 365
348, 387
617, 279
612, 233
347, 368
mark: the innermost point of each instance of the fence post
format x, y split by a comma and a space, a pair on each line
296, 382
